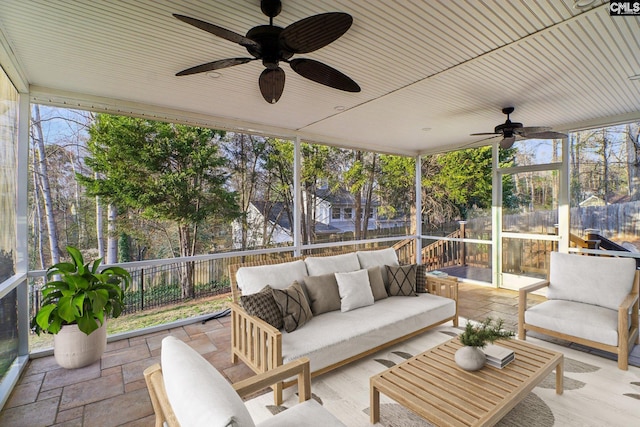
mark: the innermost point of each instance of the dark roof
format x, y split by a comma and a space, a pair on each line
278, 215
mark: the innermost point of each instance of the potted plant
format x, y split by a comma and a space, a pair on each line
75, 307
474, 338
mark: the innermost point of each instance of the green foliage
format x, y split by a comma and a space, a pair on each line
80, 294
487, 331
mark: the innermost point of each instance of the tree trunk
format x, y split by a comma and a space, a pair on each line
99, 227
633, 160
45, 188
112, 236
38, 227
186, 272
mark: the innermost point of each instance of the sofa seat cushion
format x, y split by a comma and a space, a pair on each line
593, 280
306, 414
210, 400
335, 336
586, 321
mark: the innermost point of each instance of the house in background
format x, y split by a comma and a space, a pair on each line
269, 223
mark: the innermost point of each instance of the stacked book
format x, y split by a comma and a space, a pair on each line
497, 356
436, 273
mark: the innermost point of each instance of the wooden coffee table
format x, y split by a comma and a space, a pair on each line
434, 387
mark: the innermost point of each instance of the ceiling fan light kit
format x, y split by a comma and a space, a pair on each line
514, 131
272, 44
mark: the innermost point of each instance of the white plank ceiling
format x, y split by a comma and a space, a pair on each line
448, 66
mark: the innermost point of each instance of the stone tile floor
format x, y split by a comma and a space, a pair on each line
112, 392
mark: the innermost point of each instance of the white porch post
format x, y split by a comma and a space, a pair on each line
564, 209
297, 163
22, 228
419, 209
496, 219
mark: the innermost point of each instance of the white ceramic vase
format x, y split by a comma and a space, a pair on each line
470, 358
72, 348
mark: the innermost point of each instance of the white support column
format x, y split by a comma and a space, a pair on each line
564, 200
22, 227
496, 221
419, 209
297, 168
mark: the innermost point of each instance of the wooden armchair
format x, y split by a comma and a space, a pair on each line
187, 390
592, 301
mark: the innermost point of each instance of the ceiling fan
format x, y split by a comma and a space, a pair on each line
273, 44
514, 131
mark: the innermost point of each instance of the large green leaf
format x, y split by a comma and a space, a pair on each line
87, 323
67, 309
77, 259
42, 318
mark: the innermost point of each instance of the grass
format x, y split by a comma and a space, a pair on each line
147, 318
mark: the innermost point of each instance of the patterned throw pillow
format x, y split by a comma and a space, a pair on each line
293, 306
402, 280
421, 279
263, 305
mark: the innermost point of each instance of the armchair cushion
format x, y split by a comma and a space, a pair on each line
211, 400
607, 283
308, 413
576, 319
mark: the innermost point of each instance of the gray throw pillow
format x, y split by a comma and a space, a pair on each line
323, 293
402, 280
376, 282
263, 305
293, 306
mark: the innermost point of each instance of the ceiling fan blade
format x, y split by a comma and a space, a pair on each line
507, 142
484, 133
323, 74
215, 65
272, 84
315, 32
218, 31
545, 135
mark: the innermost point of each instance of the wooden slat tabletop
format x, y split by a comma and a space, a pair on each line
433, 386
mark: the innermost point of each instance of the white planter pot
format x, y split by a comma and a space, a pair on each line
72, 348
470, 358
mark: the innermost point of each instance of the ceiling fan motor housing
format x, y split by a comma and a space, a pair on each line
270, 49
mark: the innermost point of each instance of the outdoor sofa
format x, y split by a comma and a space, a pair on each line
330, 333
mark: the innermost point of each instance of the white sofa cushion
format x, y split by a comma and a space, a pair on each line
381, 258
355, 290
279, 276
335, 336
576, 319
592, 280
306, 414
198, 393
317, 266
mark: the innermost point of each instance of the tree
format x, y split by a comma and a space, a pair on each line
167, 172
633, 159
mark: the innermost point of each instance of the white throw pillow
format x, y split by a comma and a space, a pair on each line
355, 290
198, 393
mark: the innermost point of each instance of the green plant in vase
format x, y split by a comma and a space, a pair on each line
470, 357
76, 303
488, 331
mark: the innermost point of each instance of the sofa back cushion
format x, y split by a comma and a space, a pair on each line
279, 276
317, 266
198, 393
379, 257
592, 280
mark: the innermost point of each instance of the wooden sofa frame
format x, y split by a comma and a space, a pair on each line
627, 334
162, 406
259, 345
